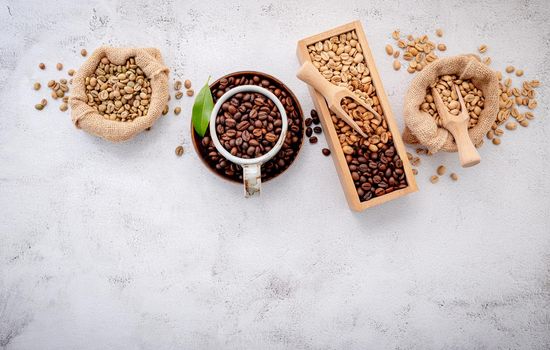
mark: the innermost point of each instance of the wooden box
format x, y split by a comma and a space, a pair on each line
330, 132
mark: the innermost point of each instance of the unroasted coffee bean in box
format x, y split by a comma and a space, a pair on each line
372, 170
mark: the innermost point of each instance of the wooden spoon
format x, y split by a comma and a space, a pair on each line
458, 127
333, 95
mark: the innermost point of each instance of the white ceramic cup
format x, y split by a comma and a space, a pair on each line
252, 176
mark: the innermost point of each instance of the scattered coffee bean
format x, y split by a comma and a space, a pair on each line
63, 107
83, 52
309, 131
524, 123
313, 139
179, 151
190, 92
317, 130
482, 48
165, 110
39, 106
454, 176
439, 32
510, 69
187, 84
519, 72
177, 85
59, 66
434, 179
496, 141
308, 121
415, 172
71, 72
441, 170
177, 110
511, 126
326, 152
248, 125
42, 66
178, 95
315, 117
44, 102
37, 86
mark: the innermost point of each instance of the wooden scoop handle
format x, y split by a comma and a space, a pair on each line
311, 76
458, 127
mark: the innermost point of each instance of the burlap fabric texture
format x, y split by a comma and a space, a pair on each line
88, 118
421, 128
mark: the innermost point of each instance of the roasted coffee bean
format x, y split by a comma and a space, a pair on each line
314, 117
313, 139
317, 130
292, 141
309, 131
326, 152
308, 121
233, 126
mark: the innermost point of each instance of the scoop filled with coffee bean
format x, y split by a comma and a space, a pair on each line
248, 126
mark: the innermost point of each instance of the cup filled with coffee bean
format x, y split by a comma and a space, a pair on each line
248, 126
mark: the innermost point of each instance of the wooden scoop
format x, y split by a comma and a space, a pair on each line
458, 127
333, 95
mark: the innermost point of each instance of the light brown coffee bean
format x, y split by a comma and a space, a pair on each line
37, 86
178, 95
187, 84
511, 126
177, 110
441, 170
63, 107
496, 141
39, 106
190, 92
42, 66
482, 48
389, 49
510, 69
396, 64
179, 151
439, 32
177, 85
454, 176
434, 179
83, 53
59, 66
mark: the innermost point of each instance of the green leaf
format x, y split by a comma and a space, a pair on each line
202, 108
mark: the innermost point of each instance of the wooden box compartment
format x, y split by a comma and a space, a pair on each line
338, 156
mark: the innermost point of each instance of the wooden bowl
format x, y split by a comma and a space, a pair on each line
199, 148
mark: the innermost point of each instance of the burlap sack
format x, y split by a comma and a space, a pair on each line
422, 129
87, 118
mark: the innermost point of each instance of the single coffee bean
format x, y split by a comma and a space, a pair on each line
317, 130
308, 121
309, 131
313, 139
326, 152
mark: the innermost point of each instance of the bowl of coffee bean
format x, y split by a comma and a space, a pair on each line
264, 136
247, 126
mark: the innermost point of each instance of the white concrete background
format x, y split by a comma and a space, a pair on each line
126, 246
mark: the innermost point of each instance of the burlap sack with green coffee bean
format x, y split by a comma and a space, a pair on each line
88, 118
421, 127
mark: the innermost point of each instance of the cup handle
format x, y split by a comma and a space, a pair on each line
252, 176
